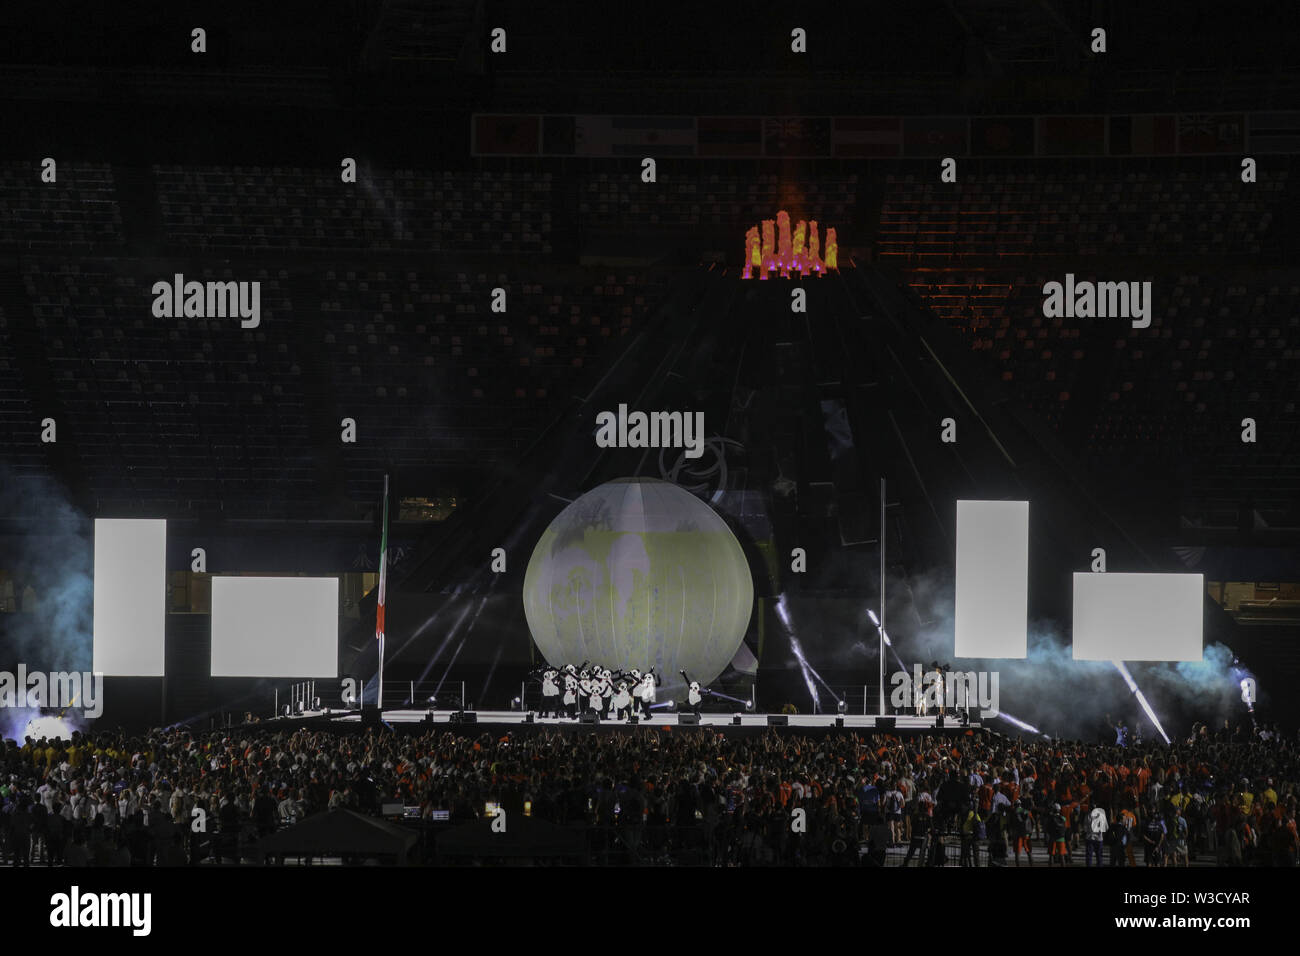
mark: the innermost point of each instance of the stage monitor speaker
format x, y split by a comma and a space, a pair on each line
778, 720
588, 718
688, 720
938, 722
464, 717
886, 723
370, 717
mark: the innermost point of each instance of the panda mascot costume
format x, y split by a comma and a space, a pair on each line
584, 691
607, 689
646, 692
694, 694
550, 692
570, 699
621, 703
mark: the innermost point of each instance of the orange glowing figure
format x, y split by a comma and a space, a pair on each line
752, 258
774, 247
769, 247
784, 257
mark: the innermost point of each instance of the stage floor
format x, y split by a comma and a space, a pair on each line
506, 717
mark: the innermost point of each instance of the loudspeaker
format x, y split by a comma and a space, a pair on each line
778, 720
464, 717
688, 720
587, 718
370, 717
886, 723
938, 722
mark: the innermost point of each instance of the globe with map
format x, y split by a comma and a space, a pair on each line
639, 573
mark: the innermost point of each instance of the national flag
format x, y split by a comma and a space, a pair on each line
1071, 136
730, 136
1211, 132
497, 134
1274, 133
1148, 134
935, 135
797, 136
653, 136
558, 135
867, 136
383, 570
1002, 135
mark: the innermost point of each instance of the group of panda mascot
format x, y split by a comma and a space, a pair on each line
572, 691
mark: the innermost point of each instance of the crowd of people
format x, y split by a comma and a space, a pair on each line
661, 796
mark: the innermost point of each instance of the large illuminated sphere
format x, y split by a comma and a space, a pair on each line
639, 573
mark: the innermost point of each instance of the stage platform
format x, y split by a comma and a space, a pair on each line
867, 722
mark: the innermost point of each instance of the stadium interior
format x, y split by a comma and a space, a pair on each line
475, 173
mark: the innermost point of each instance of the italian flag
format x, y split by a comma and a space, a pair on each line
383, 570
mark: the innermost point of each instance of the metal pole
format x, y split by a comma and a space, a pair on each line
412, 693
882, 597
382, 569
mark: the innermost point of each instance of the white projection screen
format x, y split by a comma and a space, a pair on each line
130, 615
1138, 617
992, 605
275, 627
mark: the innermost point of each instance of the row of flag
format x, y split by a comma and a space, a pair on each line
1163, 134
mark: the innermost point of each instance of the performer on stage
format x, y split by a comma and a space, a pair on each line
584, 688
694, 694
607, 689
571, 694
621, 702
550, 692
647, 691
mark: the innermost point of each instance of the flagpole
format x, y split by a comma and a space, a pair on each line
882, 597
383, 574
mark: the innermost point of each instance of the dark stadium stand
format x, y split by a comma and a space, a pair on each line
1170, 397
82, 213
189, 417
290, 208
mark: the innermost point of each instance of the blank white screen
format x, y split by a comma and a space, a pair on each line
992, 605
1138, 617
275, 627
130, 616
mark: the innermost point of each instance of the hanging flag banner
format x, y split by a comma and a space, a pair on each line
867, 136
655, 136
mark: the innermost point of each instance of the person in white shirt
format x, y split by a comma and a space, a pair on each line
1097, 827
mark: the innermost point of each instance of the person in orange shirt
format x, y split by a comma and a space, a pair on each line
1128, 823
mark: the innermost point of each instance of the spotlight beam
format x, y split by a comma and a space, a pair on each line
1137, 692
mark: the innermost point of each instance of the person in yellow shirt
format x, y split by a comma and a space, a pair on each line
1269, 795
